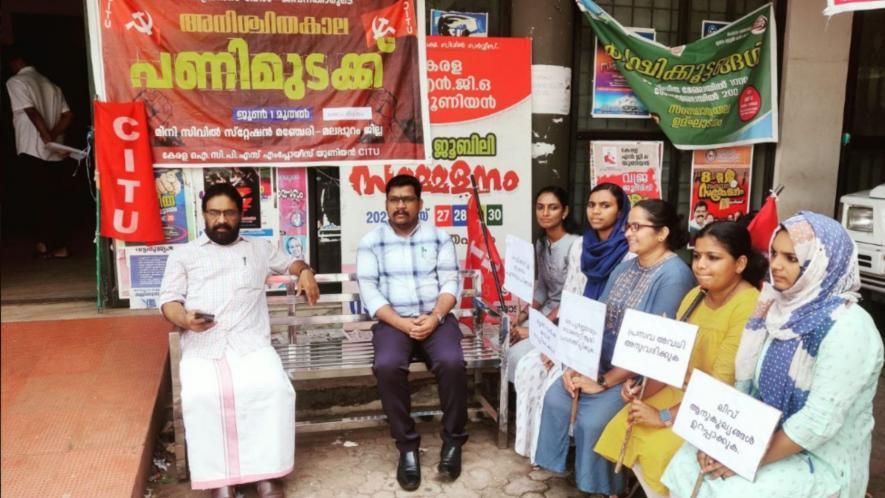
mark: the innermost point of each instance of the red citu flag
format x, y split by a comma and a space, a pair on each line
130, 209
764, 224
479, 255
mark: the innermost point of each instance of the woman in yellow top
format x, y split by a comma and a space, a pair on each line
726, 266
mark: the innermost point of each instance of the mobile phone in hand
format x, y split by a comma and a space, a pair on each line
209, 317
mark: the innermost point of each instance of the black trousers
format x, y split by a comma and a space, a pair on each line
442, 350
51, 223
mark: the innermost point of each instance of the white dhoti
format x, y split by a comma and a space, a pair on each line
239, 418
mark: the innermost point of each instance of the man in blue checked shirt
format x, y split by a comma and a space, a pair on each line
409, 281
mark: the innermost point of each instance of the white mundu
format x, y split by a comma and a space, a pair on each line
239, 418
237, 402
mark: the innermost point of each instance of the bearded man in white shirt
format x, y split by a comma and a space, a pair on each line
237, 402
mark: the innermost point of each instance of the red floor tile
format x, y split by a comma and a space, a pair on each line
77, 402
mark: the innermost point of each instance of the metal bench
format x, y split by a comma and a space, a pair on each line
344, 349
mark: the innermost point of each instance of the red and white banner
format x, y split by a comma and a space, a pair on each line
481, 119
267, 82
130, 210
837, 6
635, 166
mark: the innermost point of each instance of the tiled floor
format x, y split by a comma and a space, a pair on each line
77, 402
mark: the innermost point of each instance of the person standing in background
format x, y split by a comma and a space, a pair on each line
40, 115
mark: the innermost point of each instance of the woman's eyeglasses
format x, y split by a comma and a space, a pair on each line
636, 226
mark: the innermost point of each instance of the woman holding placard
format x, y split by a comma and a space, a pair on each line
590, 261
551, 254
813, 353
729, 271
654, 282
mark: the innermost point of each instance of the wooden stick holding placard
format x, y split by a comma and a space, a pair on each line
629, 433
685, 316
574, 416
697, 485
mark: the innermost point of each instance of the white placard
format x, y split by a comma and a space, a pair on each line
542, 334
726, 424
581, 324
655, 347
551, 89
519, 268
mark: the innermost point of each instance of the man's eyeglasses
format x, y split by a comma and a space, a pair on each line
406, 199
217, 213
636, 226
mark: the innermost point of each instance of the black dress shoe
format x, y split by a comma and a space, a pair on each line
408, 471
449, 462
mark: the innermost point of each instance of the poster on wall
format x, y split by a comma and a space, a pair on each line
449, 23
709, 27
260, 215
720, 185
718, 91
480, 101
635, 166
837, 6
612, 96
292, 204
282, 83
140, 267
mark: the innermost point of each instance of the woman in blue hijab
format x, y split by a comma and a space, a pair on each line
590, 260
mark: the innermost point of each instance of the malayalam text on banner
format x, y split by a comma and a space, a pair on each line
275, 83
481, 119
634, 166
726, 424
581, 325
717, 91
655, 347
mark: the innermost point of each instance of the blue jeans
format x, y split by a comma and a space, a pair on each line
593, 473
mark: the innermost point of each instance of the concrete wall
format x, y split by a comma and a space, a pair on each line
812, 103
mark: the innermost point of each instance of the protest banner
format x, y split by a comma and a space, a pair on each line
293, 208
720, 186
463, 24
726, 424
655, 347
634, 166
837, 6
282, 83
717, 91
519, 268
612, 96
481, 119
543, 334
581, 324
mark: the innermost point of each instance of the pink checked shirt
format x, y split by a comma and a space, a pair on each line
227, 281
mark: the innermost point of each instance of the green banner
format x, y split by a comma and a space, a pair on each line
718, 91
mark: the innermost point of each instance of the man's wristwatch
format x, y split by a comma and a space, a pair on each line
666, 418
601, 381
439, 318
306, 268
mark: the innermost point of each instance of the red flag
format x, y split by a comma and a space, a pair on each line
479, 255
130, 210
764, 224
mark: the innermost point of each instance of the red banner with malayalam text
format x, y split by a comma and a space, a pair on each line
130, 210
271, 82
